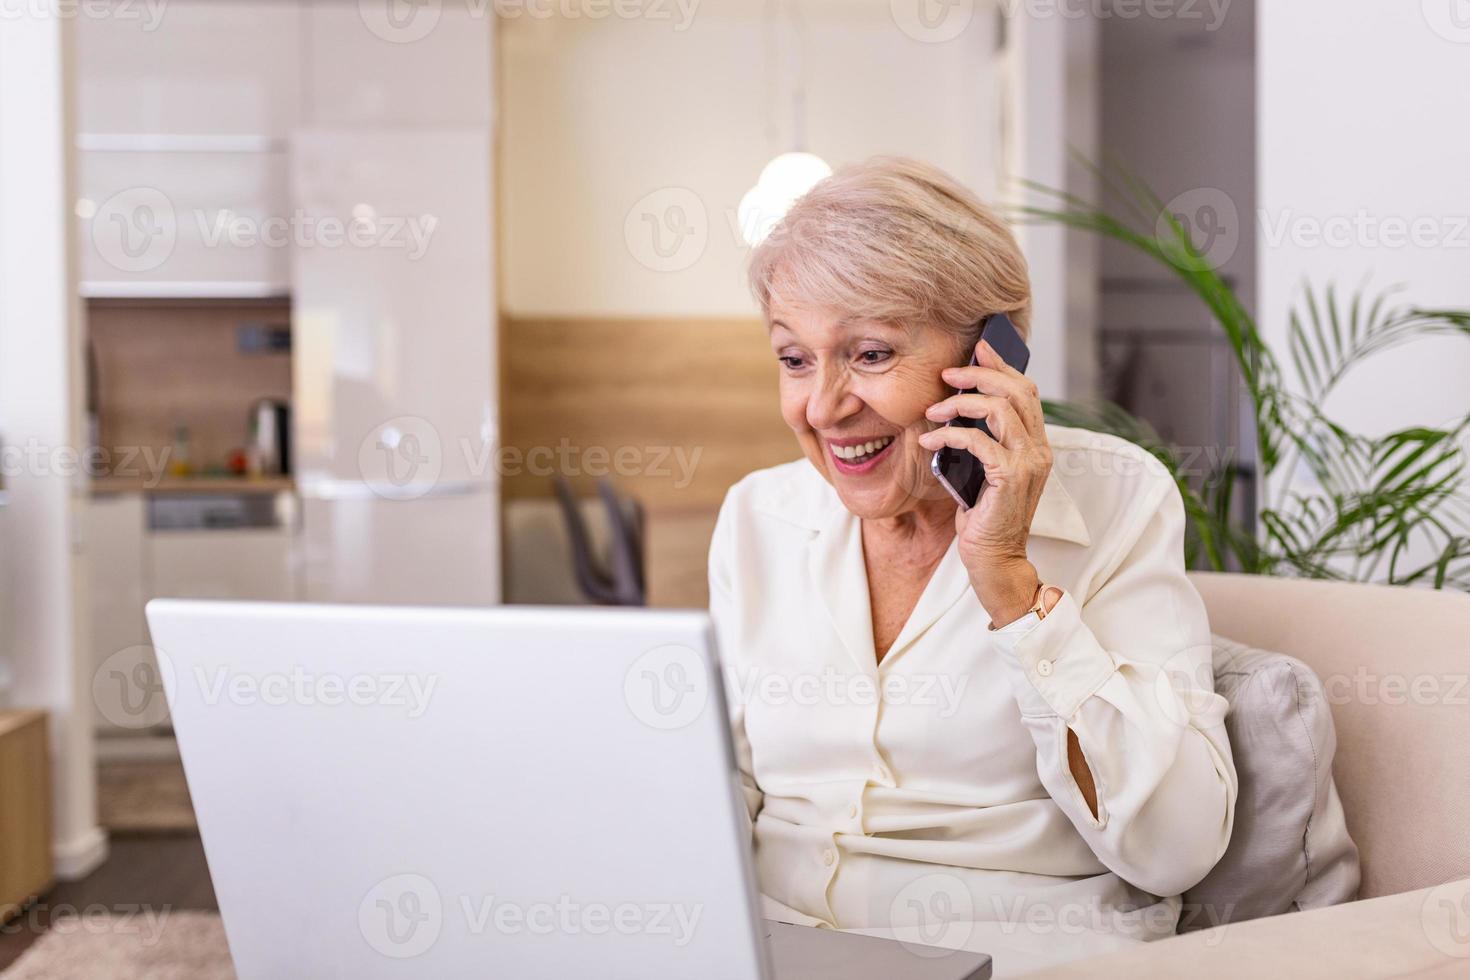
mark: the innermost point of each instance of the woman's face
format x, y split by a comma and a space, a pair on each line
854, 392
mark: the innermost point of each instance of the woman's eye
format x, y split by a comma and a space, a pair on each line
791, 361
874, 356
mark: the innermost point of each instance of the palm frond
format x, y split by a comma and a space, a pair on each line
1331, 339
1165, 239
1357, 507
1211, 537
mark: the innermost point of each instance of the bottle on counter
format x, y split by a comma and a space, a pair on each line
179, 462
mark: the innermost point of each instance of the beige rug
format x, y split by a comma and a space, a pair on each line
171, 946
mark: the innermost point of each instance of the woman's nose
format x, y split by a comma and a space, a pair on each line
831, 401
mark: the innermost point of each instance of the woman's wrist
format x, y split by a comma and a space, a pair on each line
1007, 592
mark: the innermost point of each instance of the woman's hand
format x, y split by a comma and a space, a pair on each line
993, 534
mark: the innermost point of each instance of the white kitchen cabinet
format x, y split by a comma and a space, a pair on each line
131, 563
436, 551
393, 356
123, 667
238, 563
398, 64
184, 223
189, 67
404, 330
184, 114
222, 546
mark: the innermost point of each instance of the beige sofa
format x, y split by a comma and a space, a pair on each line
1396, 667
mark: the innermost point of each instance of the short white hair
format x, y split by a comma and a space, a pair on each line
899, 241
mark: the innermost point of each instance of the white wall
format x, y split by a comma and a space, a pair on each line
1365, 118
40, 407
610, 124
1051, 104
598, 114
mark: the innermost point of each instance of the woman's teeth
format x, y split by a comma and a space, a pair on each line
861, 452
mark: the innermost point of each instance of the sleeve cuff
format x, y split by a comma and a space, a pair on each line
1055, 663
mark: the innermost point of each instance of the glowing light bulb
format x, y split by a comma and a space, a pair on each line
782, 181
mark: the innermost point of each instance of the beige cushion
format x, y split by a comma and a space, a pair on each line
1290, 847
1424, 934
1395, 666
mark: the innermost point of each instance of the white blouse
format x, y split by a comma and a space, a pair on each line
928, 797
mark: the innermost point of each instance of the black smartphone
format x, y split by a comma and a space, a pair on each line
958, 471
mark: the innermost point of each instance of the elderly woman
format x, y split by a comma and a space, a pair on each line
990, 728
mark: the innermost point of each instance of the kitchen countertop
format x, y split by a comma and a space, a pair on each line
193, 484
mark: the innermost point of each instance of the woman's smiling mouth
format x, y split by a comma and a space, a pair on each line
859, 455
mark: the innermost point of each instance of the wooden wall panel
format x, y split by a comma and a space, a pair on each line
700, 391
168, 362
678, 557
668, 393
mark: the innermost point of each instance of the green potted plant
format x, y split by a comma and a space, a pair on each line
1332, 503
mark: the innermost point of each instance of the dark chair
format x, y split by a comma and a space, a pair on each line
620, 582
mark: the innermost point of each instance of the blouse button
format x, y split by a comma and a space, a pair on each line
852, 811
828, 857
1043, 667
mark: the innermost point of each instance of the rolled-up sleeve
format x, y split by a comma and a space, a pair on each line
1127, 668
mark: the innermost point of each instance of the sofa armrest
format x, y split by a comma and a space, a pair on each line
1424, 933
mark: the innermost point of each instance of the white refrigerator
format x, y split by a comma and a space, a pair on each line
394, 355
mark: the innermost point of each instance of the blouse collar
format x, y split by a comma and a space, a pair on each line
835, 559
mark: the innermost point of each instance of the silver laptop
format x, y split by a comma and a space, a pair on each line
511, 792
